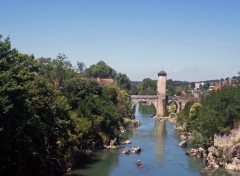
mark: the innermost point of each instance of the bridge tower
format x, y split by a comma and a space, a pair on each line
161, 94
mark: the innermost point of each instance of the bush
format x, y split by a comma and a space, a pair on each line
196, 140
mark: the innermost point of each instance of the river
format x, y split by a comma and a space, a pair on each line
160, 153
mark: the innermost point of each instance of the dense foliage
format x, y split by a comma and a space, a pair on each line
49, 114
100, 70
217, 113
147, 87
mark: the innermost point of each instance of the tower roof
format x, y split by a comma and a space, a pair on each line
162, 73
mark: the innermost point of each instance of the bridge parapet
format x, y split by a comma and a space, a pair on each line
141, 98
179, 101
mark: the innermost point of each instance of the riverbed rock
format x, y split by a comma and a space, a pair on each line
231, 166
126, 152
236, 161
132, 122
127, 142
198, 152
235, 165
212, 163
183, 144
114, 142
136, 149
136, 123
234, 151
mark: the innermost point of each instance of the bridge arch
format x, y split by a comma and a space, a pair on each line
144, 98
133, 103
177, 103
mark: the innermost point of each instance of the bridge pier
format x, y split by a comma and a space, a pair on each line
161, 107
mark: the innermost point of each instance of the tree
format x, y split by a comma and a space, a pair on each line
171, 87
100, 70
33, 117
62, 69
56, 70
238, 77
194, 110
80, 67
124, 106
123, 82
77, 89
148, 87
216, 113
49, 114
184, 114
14, 72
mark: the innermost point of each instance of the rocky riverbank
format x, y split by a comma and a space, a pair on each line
127, 123
167, 118
224, 153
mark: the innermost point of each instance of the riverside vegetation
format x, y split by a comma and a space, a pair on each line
50, 117
217, 114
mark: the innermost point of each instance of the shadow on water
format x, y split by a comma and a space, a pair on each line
87, 161
100, 163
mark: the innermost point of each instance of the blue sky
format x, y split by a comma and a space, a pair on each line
192, 40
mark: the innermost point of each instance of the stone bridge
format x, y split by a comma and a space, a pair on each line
180, 102
161, 100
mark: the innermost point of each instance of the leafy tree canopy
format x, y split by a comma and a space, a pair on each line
100, 70
48, 113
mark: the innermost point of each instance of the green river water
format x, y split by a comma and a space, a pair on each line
160, 154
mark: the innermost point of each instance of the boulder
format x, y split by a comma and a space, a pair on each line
236, 161
235, 165
136, 149
198, 152
191, 152
114, 142
210, 156
211, 149
126, 152
127, 142
232, 167
139, 163
136, 123
183, 144
234, 151
214, 165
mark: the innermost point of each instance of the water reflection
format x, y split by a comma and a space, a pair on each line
102, 161
145, 108
159, 133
